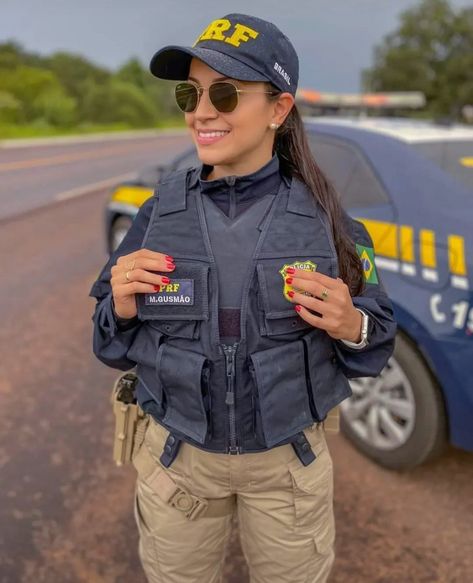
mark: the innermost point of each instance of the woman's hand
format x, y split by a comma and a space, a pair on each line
338, 316
139, 266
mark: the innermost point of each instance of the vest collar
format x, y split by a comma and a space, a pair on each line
267, 178
300, 200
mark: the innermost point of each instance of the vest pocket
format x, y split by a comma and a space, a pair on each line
277, 313
184, 377
328, 386
179, 306
282, 391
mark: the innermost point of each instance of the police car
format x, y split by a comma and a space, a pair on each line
411, 184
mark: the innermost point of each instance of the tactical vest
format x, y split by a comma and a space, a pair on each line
281, 374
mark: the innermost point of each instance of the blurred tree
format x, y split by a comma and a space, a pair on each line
76, 74
161, 92
118, 101
10, 108
56, 108
431, 51
28, 85
64, 89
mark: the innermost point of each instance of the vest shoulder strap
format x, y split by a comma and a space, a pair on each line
171, 192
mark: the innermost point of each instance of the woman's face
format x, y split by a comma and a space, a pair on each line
248, 143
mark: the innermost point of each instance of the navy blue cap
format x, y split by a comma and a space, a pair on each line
238, 46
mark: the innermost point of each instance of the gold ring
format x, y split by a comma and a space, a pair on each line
126, 275
324, 294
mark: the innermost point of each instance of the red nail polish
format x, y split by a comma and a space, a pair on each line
169, 258
157, 287
297, 308
290, 294
290, 270
288, 279
170, 266
166, 279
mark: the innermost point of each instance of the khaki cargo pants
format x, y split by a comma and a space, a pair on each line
284, 509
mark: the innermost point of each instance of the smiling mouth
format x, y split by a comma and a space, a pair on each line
212, 134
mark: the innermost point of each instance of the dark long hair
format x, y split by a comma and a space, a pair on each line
296, 159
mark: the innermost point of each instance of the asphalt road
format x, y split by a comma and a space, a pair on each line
66, 509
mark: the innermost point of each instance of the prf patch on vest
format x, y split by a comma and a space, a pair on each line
366, 255
307, 265
179, 291
218, 30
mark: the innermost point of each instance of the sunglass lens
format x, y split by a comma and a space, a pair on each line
186, 96
223, 96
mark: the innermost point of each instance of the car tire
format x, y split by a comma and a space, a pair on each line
428, 437
119, 229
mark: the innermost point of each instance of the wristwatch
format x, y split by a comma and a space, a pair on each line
364, 332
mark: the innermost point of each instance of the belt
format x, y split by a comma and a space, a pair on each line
166, 488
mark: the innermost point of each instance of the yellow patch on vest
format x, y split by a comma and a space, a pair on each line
216, 31
307, 265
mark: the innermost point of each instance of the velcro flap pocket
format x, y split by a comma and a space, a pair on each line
280, 316
184, 298
282, 391
182, 374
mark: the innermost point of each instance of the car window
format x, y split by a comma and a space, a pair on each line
347, 168
455, 157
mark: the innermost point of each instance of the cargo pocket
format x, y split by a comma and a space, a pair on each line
179, 307
282, 390
277, 314
183, 375
313, 498
328, 386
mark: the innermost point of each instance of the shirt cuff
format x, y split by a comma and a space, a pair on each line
124, 323
360, 344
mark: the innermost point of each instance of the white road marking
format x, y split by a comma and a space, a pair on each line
94, 186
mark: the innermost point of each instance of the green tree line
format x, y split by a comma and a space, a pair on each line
430, 51
66, 91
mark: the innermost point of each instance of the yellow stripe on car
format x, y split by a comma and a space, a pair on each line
394, 246
135, 195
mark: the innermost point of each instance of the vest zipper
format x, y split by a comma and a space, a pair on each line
230, 351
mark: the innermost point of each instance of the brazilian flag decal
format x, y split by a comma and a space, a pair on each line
367, 261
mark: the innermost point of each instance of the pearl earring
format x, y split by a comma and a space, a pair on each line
274, 126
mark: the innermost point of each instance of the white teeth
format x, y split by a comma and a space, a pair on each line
212, 134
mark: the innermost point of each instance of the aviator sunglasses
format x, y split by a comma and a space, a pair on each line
223, 95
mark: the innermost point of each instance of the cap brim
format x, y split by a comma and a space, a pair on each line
173, 62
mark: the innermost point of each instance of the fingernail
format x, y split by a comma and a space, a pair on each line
288, 279
157, 287
290, 294
169, 258
297, 308
166, 279
170, 266
290, 270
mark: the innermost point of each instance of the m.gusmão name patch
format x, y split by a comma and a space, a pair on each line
179, 291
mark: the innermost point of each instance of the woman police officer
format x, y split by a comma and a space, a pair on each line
241, 294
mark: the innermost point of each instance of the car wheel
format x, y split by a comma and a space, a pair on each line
119, 230
398, 419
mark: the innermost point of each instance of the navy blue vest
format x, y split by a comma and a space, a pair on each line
279, 374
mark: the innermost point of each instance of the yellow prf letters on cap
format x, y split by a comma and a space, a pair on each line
217, 28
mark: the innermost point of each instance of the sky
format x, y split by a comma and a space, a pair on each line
333, 38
